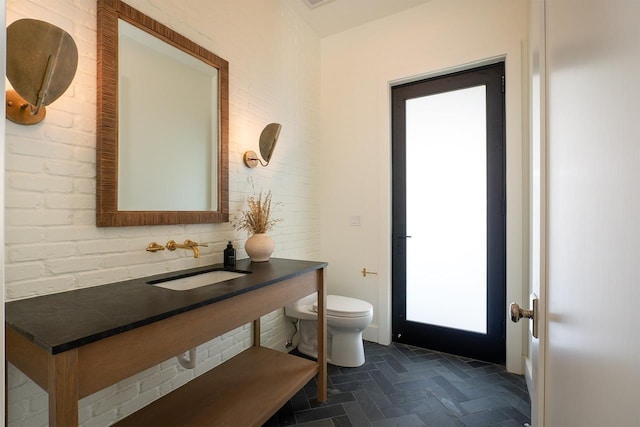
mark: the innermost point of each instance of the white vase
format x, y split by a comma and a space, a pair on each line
259, 247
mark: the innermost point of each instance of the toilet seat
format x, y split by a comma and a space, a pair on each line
340, 306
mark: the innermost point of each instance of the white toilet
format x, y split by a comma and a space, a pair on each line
346, 319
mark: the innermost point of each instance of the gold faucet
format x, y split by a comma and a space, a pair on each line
188, 244
155, 247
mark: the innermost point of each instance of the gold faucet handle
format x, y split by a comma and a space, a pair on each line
155, 247
191, 243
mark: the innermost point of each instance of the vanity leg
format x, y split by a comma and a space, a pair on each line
6, 392
322, 337
63, 389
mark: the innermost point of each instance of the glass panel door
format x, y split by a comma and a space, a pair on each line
447, 209
449, 224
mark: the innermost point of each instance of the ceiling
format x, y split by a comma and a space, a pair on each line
329, 17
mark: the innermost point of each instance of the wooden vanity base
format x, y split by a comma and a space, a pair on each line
244, 391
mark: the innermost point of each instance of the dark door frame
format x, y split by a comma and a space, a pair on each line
492, 346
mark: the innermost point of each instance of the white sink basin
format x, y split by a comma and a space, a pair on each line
197, 280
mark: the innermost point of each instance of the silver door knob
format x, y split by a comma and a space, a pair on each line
518, 313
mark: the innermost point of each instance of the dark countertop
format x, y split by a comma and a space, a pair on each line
67, 320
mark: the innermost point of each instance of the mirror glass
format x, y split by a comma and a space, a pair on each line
162, 124
151, 138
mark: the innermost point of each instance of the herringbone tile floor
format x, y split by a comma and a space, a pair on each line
406, 386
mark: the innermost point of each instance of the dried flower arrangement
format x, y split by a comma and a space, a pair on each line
257, 219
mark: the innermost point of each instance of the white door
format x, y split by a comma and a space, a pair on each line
592, 367
534, 361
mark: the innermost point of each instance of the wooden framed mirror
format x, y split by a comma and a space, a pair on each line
162, 124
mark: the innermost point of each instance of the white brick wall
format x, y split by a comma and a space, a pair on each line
52, 243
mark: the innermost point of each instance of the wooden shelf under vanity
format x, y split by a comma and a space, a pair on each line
245, 390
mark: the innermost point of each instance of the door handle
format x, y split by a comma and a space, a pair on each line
518, 313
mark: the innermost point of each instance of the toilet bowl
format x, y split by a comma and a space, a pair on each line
346, 319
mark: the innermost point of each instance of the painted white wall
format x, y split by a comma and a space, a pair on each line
52, 243
593, 86
358, 67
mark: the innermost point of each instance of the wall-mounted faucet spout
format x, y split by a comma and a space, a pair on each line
188, 244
